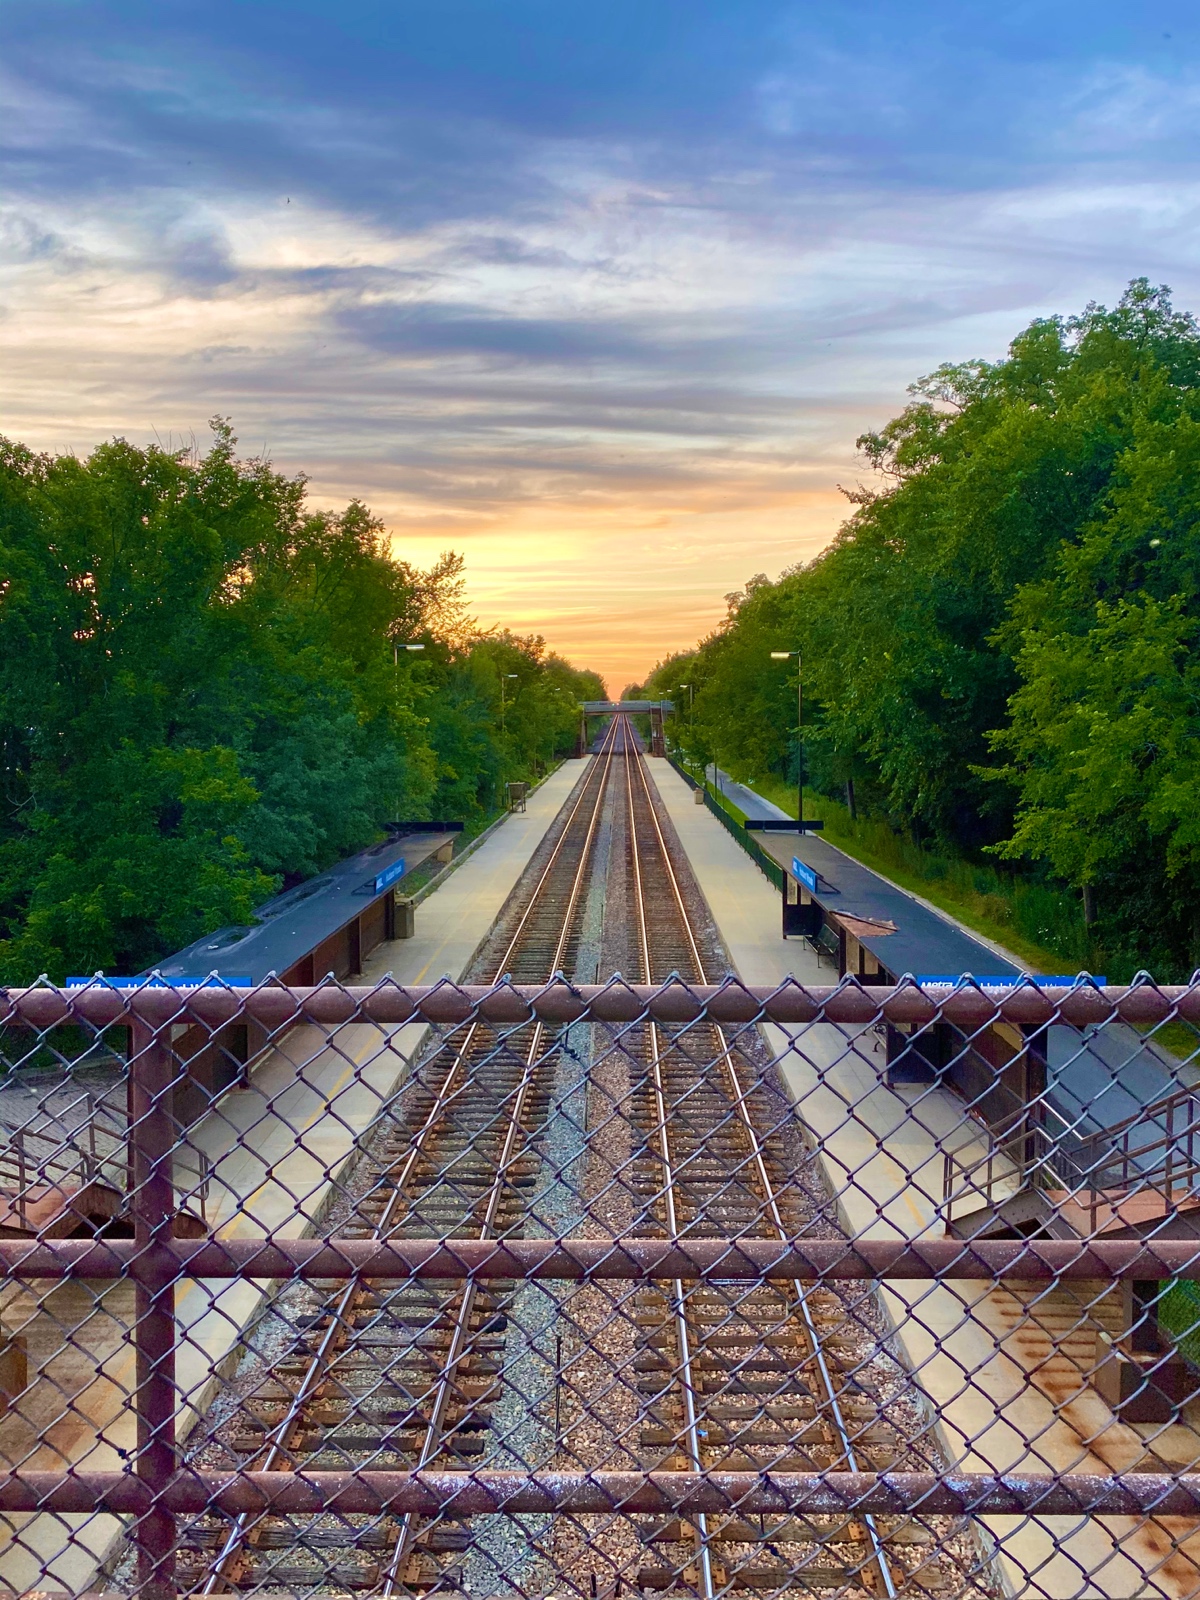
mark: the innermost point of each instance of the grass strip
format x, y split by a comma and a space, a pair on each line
977, 896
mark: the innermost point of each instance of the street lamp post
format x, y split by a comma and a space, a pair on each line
691, 703
786, 655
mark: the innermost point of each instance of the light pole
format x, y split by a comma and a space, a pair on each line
396, 649
691, 702
786, 655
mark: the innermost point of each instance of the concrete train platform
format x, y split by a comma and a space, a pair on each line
272, 1143
1002, 1370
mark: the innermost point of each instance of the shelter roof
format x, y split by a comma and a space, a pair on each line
297, 921
921, 941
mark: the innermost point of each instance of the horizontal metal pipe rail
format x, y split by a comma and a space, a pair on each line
634, 1260
482, 1491
560, 1001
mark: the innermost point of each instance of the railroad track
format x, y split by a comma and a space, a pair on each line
407, 1374
709, 1376
740, 1379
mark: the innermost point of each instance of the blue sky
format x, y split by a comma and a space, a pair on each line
600, 295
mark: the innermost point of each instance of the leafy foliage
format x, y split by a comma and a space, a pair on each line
999, 647
204, 694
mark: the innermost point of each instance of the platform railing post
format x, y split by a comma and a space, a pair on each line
152, 1203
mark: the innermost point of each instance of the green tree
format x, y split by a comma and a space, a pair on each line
203, 696
1103, 745
997, 644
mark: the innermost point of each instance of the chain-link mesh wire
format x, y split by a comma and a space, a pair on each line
549, 1290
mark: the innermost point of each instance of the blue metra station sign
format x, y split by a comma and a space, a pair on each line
389, 875
804, 874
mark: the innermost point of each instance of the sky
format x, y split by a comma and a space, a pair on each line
599, 295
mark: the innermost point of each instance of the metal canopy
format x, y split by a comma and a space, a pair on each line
297, 921
923, 938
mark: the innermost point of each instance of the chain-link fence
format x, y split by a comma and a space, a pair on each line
533, 1291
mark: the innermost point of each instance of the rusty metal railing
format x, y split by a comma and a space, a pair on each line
359, 1075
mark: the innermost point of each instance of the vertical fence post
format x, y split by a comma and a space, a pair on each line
152, 1204
22, 1179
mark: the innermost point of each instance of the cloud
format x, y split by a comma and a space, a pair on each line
601, 296
498, 250
24, 241
1122, 108
428, 328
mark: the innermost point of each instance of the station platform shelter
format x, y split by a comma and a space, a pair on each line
326, 926
867, 928
865, 925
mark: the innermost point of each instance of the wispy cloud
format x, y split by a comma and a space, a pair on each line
600, 297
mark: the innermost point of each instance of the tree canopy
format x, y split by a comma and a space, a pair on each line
1000, 645
204, 695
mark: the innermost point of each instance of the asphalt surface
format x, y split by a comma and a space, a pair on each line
754, 806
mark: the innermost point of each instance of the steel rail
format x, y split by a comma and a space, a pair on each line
845, 1441
460, 1337
281, 1438
691, 1423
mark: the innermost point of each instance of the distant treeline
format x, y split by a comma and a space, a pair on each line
205, 695
1000, 646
